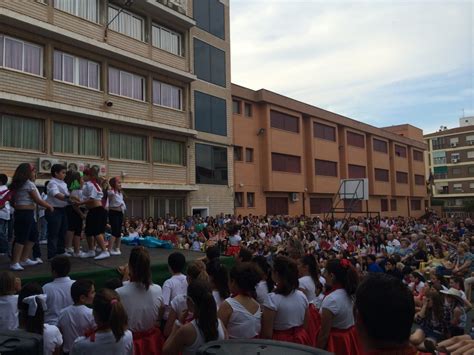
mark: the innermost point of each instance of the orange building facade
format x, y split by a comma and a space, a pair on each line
289, 158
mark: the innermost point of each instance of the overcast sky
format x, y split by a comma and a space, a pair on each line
379, 61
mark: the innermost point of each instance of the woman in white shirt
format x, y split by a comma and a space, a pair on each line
116, 209
142, 300
241, 314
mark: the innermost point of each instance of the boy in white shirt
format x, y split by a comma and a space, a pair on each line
74, 321
176, 285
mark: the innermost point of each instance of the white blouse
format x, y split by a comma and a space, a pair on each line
243, 324
8, 312
290, 310
306, 284
92, 192
115, 200
340, 305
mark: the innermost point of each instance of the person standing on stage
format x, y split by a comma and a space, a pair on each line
117, 208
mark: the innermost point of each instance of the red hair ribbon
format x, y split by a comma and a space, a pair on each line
114, 301
345, 263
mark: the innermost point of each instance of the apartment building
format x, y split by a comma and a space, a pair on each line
289, 158
140, 89
451, 163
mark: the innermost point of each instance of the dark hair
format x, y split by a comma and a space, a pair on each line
310, 262
81, 288
287, 270
437, 306
113, 182
213, 253
176, 262
139, 263
372, 257
219, 277
265, 269
7, 283
344, 273
92, 172
245, 255
459, 280
205, 309
32, 324
71, 176
390, 324
113, 284
109, 311
61, 265
3, 179
246, 276
22, 174
57, 168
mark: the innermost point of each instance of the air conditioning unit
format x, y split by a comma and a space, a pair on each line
454, 145
470, 142
455, 160
45, 165
72, 165
102, 169
294, 197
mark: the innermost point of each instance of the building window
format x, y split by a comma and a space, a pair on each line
456, 171
211, 164
419, 179
415, 205
437, 143
417, 155
380, 145
440, 172
277, 206
21, 132
239, 199
210, 114
457, 188
166, 39
250, 199
126, 23
455, 157
70, 139
356, 171
453, 142
209, 63
471, 185
323, 131
400, 151
236, 107
470, 140
249, 155
20, 55
320, 205
127, 146
355, 139
439, 157
168, 152
87, 9
381, 175
470, 154
286, 163
209, 16
167, 95
248, 109
470, 170
136, 206
402, 177
237, 153
76, 70
383, 205
283, 121
167, 206
325, 167
393, 204
126, 84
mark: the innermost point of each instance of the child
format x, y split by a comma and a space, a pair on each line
177, 284
9, 285
205, 326
266, 283
58, 291
116, 209
219, 278
31, 307
111, 336
241, 314
4, 215
74, 321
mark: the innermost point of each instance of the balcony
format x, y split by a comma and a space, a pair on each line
174, 10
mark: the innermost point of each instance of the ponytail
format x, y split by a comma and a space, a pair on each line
266, 271
110, 313
310, 262
345, 274
139, 263
219, 277
31, 323
205, 309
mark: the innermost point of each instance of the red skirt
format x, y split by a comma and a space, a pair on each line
314, 324
344, 342
297, 335
232, 250
149, 342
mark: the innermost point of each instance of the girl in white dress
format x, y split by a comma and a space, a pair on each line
117, 208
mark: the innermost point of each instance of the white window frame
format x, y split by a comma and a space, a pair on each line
156, 42
470, 154
2, 63
114, 25
470, 139
76, 10
457, 188
161, 90
471, 185
76, 70
120, 84
454, 140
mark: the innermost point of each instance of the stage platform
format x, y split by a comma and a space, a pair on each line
102, 270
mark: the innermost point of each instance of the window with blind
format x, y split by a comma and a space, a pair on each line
355, 139
211, 165
236, 107
393, 204
380, 145
237, 153
320, 205
166, 39
21, 132
415, 205
456, 171
283, 121
126, 84
249, 155
21, 55
210, 113
325, 167
209, 16
402, 177
127, 146
250, 199
248, 109
400, 151
419, 179
76, 70
209, 63
286, 163
239, 199
383, 205
78, 140
167, 95
277, 206
381, 174
164, 206
356, 171
470, 170
168, 152
87, 9
417, 155
126, 23
323, 131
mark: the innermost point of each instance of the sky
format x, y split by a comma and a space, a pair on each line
383, 62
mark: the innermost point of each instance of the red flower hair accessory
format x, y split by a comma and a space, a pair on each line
345, 263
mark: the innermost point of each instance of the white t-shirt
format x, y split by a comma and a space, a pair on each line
92, 192
142, 306
235, 240
217, 298
192, 349
306, 284
262, 291
243, 324
340, 305
58, 296
73, 322
179, 305
104, 344
5, 211
115, 200
55, 187
52, 339
8, 312
174, 286
290, 310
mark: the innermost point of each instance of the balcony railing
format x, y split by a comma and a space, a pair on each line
180, 6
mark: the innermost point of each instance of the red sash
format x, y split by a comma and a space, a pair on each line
314, 323
344, 342
297, 335
232, 250
149, 342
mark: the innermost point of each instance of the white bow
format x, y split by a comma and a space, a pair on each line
33, 305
